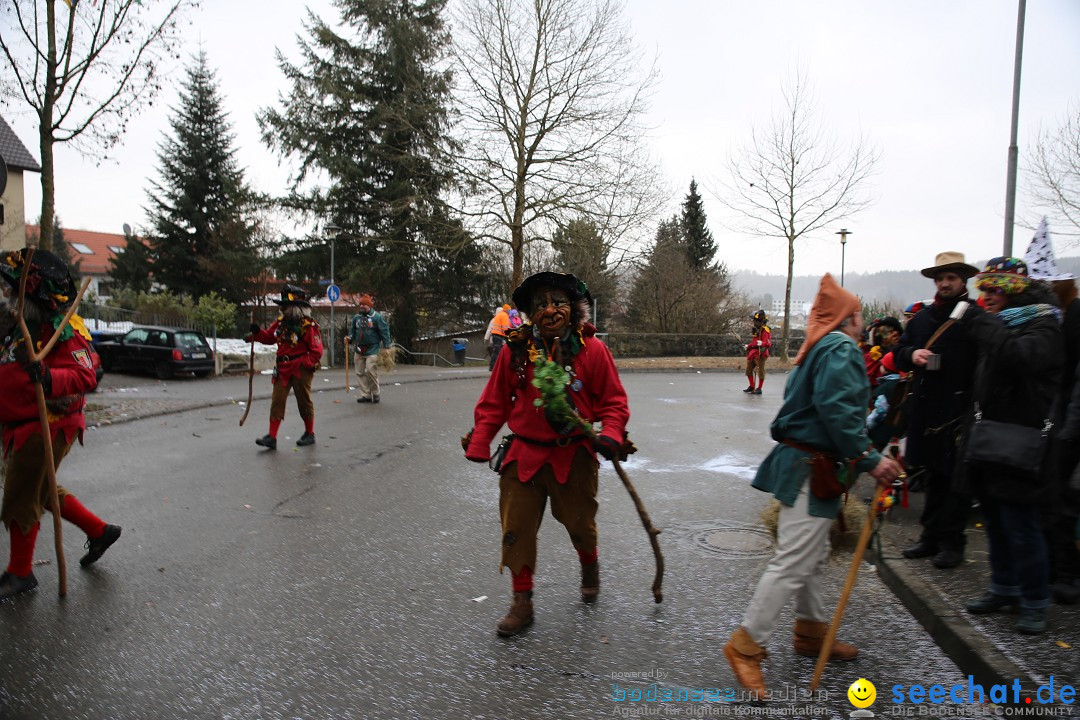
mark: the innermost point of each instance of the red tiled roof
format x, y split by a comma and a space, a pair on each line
101, 245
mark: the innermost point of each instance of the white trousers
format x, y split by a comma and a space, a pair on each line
802, 548
367, 375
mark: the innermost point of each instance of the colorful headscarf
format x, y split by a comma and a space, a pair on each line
1007, 275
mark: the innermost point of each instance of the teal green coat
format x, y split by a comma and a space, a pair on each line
368, 332
825, 403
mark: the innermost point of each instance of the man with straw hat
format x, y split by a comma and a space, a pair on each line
820, 428
939, 395
66, 374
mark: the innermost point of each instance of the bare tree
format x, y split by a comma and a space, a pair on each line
791, 179
1054, 172
551, 110
85, 72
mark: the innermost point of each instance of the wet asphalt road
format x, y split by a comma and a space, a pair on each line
359, 578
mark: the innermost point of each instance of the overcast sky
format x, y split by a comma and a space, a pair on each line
928, 81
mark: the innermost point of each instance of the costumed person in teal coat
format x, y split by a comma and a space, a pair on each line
823, 414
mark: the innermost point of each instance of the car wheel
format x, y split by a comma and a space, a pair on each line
164, 371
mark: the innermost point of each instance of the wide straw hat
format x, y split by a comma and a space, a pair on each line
950, 261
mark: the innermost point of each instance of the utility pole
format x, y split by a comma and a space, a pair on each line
1010, 181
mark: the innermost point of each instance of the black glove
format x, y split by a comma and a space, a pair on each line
607, 447
39, 374
255, 328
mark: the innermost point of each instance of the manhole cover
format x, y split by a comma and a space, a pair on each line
735, 543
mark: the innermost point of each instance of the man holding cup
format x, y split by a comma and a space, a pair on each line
943, 361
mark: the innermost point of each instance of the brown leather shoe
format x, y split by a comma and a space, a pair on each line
745, 656
590, 582
809, 636
519, 617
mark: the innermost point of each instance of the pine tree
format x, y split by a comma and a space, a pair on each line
580, 249
370, 111
701, 248
200, 207
131, 268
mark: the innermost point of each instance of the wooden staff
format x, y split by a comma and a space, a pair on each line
853, 572
251, 372
348, 389
43, 411
658, 579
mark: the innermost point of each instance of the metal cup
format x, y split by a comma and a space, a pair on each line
933, 362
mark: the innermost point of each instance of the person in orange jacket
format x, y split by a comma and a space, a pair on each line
498, 329
66, 374
299, 355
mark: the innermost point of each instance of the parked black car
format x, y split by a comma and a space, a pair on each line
160, 350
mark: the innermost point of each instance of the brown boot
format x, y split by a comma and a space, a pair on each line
745, 656
519, 617
809, 636
590, 582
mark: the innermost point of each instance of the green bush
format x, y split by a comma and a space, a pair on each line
215, 311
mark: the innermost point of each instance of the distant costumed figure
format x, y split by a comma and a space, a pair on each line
757, 352
66, 374
299, 355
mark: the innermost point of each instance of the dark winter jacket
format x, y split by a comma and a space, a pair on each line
937, 399
1017, 380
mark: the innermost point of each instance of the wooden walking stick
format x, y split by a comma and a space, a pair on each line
853, 572
43, 411
551, 380
348, 389
251, 372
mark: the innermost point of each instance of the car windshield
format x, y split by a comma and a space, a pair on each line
190, 340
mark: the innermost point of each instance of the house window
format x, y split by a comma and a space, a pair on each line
81, 248
116, 249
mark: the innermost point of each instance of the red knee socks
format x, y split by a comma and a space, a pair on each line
760, 382
523, 579
589, 558
22, 550
309, 425
274, 425
76, 513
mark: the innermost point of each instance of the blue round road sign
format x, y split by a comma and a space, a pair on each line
333, 293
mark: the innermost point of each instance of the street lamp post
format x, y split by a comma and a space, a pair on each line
844, 232
332, 231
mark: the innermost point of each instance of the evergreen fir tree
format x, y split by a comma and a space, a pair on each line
580, 249
200, 207
370, 111
131, 268
700, 246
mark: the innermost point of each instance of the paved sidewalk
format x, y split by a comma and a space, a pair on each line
985, 647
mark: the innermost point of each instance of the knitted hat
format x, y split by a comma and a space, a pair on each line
292, 295
48, 282
1040, 257
832, 306
1004, 274
365, 299
506, 308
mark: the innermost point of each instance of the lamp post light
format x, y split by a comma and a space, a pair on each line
844, 232
332, 231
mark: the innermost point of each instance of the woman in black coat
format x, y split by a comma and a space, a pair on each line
1017, 377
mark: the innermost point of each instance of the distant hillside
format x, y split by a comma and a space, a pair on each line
897, 287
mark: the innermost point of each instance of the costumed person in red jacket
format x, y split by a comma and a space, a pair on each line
66, 374
549, 458
757, 352
299, 355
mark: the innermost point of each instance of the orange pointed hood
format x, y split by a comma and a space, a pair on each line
832, 306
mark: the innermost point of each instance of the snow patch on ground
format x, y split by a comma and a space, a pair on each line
730, 465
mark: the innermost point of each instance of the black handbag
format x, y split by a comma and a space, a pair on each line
1017, 447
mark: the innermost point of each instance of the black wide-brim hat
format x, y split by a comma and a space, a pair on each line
49, 282
576, 289
292, 295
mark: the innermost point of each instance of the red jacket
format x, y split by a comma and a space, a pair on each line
71, 368
601, 398
761, 342
295, 352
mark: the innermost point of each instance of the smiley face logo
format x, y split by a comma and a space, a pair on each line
862, 693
